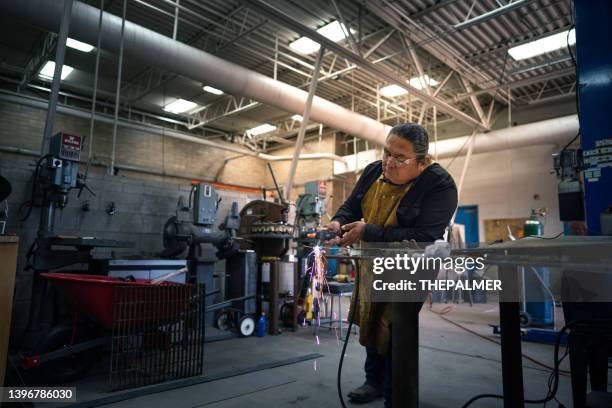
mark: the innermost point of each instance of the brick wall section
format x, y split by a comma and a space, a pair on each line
307, 170
23, 127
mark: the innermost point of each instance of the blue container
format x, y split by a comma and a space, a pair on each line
332, 263
261, 326
541, 312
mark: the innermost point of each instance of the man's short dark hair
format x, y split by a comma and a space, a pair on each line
415, 134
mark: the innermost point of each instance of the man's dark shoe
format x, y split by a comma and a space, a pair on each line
365, 393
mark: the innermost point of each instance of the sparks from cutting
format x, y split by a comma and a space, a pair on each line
318, 281
317, 286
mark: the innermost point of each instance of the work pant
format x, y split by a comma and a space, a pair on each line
378, 372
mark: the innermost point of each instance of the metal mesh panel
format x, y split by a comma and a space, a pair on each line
158, 334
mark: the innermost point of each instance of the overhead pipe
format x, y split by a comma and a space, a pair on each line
305, 118
60, 53
39, 103
153, 49
490, 14
141, 169
551, 131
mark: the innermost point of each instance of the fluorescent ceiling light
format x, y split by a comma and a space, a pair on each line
543, 45
335, 31
299, 118
180, 106
391, 91
212, 90
49, 68
261, 129
418, 82
77, 45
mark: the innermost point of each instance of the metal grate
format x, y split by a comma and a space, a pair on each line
158, 334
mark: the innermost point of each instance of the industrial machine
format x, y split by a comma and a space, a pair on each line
568, 165
264, 230
193, 225
190, 230
310, 209
56, 174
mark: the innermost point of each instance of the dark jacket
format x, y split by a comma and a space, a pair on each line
422, 215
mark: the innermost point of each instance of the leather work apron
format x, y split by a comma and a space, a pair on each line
379, 206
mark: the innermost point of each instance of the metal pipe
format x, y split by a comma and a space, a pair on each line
466, 163
552, 131
39, 103
118, 90
176, 19
95, 90
305, 119
60, 53
490, 14
151, 48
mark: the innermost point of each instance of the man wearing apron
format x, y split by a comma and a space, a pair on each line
403, 197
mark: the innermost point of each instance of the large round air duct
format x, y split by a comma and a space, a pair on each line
153, 49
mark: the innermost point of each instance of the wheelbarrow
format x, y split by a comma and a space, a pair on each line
68, 351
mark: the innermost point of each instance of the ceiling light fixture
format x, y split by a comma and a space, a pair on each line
212, 90
418, 82
78, 45
392, 91
48, 70
334, 31
543, 45
180, 106
261, 129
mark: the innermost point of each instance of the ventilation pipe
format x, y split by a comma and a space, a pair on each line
153, 49
551, 131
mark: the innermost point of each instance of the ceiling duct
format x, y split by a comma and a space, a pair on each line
153, 49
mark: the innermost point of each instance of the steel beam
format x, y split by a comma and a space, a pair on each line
491, 14
38, 58
383, 73
118, 92
305, 119
60, 53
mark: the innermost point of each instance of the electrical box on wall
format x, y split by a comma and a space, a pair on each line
66, 147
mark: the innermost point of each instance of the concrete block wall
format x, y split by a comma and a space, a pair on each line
142, 208
23, 128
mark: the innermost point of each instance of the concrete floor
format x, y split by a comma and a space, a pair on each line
454, 365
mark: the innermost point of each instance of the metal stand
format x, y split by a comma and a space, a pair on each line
405, 354
510, 326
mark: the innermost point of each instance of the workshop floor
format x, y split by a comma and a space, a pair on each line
454, 365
